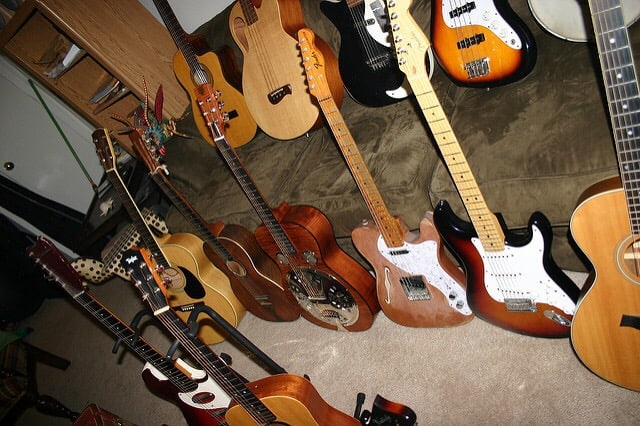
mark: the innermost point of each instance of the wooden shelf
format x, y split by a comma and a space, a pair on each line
120, 39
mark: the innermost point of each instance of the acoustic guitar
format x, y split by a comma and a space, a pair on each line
283, 398
482, 43
605, 332
200, 399
272, 76
333, 289
191, 277
255, 278
417, 284
366, 60
193, 68
512, 280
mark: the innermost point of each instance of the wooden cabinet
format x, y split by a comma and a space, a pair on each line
119, 39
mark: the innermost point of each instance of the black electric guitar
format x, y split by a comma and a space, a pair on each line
200, 399
333, 289
191, 277
254, 276
284, 399
481, 43
389, 413
193, 69
605, 332
512, 280
366, 60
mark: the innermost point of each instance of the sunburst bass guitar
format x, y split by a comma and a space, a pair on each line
512, 281
605, 332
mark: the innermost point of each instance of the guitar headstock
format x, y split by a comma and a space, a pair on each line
138, 264
211, 109
47, 256
314, 65
410, 42
147, 152
104, 148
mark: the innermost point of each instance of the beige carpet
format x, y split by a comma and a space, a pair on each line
473, 374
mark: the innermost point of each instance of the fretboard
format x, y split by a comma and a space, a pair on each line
249, 11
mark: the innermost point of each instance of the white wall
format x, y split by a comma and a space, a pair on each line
190, 13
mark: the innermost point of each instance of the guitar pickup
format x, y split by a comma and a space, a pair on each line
470, 41
462, 9
520, 305
415, 288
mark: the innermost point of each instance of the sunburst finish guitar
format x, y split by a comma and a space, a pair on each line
193, 68
606, 224
272, 76
512, 280
417, 284
192, 279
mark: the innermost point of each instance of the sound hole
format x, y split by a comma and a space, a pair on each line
628, 257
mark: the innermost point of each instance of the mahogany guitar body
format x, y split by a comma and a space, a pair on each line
605, 332
345, 298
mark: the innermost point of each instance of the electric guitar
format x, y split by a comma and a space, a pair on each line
482, 43
192, 278
193, 68
512, 280
272, 77
254, 277
385, 412
277, 399
333, 289
200, 399
366, 60
605, 332
417, 284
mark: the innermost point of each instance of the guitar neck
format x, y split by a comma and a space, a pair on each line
411, 46
623, 96
249, 11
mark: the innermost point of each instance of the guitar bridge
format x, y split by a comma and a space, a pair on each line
477, 68
415, 288
520, 305
277, 95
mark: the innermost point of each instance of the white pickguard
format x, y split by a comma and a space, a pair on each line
518, 273
422, 260
483, 14
221, 400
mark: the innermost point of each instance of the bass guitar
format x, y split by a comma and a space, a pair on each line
277, 399
482, 43
417, 284
255, 278
272, 77
333, 289
366, 60
605, 332
512, 280
200, 399
193, 68
192, 278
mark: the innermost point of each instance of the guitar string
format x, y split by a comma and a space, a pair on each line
370, 46
253, 31
463, 29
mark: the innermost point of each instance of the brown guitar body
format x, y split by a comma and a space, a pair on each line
434, 312
293, 400
273, 78
241, 126
605, 330
195, 280
316, 249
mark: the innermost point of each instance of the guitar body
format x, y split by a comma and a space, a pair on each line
423, 263
540, 299
293, 400
605, 332
368, 68
255, 278
346, 299
196, 280
479, 52
241, 126
273, 79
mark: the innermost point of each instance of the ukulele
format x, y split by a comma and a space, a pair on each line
512, 280
333, 289
200, 399
277, 399
366, 60
254, 277
483, 43
605, 332
417, 284
191, 277
272, 76
193, 69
